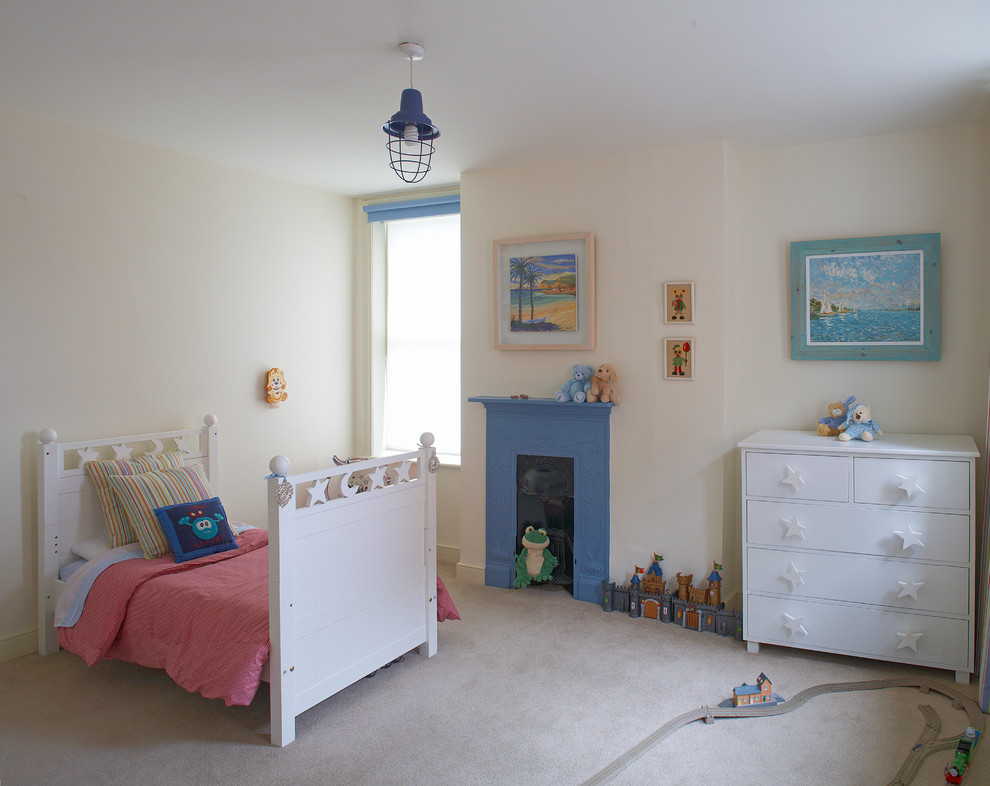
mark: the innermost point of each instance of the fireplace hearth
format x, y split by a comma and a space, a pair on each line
547, 465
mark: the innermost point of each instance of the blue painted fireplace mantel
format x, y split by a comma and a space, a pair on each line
545, 427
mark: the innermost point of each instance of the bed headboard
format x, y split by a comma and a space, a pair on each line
69, 509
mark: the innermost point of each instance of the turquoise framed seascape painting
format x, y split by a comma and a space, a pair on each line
545, 292
866, 298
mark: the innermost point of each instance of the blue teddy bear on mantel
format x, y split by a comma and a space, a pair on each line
577, 387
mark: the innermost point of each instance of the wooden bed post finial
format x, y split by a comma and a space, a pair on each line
279, 465
210, 420
426, 442
47, 436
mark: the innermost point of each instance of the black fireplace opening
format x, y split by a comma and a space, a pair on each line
545, 499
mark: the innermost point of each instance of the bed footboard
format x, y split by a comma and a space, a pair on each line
352, 575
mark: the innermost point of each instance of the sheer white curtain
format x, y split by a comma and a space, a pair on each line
423, 344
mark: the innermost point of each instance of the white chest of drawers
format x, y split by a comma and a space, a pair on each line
861, 548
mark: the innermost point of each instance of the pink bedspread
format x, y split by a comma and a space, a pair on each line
204, 621
446, 610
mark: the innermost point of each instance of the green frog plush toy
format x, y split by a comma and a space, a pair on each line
535, 562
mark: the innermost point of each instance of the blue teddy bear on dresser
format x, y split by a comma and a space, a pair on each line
860, 424
577, 387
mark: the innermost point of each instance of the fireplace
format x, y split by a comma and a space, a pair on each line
547, 464
545, 500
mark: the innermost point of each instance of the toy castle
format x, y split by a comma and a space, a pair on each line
698, 608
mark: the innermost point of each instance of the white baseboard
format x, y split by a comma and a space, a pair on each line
18, 645
448, 554
472, 574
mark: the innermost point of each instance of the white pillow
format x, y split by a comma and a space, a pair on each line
67, 570
92, 548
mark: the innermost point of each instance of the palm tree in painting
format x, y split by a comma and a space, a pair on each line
518, 271
531, 278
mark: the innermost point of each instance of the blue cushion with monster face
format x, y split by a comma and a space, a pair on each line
196, 529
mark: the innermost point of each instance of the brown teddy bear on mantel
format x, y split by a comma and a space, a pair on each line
602, 385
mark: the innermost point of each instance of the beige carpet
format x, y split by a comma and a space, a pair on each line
531, 687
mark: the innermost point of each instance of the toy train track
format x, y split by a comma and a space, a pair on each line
926, 745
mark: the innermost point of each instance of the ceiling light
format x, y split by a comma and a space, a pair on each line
411, 133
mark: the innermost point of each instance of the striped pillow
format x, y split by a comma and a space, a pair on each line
139, 495
100, 472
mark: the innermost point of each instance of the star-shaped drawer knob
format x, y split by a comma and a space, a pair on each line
909, 589
792, 478
794, 626
909, 538
909, 485
793, 576
909, 640
793, 528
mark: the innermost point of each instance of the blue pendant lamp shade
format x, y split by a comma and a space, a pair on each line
411, 132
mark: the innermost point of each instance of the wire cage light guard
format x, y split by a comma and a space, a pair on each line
410, 131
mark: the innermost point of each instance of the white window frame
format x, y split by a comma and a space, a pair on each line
370, 327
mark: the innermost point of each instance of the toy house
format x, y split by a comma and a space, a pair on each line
761, 693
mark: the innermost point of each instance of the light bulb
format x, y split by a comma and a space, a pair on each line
410, 136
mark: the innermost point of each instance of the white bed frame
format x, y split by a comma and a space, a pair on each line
352, 575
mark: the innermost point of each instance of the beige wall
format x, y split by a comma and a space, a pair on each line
657, 216
141, 289
928, 181
724, 220
448, 513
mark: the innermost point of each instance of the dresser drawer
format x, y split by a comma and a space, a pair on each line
900, 584
859, 630
796, 476
942, 537
912, 483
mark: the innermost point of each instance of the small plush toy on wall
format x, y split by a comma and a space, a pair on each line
276, 387
577, 387
860, 424
834, 424
535, 562
602, 385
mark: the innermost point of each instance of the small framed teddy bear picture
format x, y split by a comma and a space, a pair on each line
678, 358
678, 299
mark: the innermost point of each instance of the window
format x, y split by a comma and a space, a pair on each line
423, 332
422, 327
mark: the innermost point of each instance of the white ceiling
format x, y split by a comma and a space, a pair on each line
299, 89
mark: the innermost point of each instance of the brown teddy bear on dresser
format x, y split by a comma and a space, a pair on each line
602, 385
835, 423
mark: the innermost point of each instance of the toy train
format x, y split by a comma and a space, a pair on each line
964, 752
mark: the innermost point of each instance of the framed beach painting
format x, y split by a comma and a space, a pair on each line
867, 298
679, 302
545, 292
678, 358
